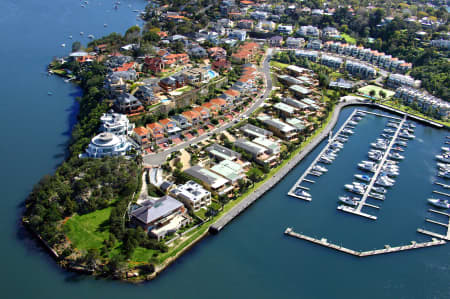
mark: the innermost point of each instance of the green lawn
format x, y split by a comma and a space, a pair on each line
348, 38
89, 230
366, 90
279, 65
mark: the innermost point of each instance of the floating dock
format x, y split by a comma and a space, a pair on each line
384, 115
441, 193
307, 172
443, 185
362, 202
387, 248
433, 234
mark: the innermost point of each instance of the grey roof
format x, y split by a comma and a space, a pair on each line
255, 131
223, 152
165, 185
249, 146
127, 98
156, 209
206, 176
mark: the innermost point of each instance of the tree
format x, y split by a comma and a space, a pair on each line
372, 93
382, 94
76, 46
132, 34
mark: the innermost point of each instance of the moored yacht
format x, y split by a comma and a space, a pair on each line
351, 201
396, 156
363, 177
440, 203
379, 190
301, 192
443, 158
319, 168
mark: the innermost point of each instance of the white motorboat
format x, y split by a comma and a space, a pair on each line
379, 190
443, 158
440, 203
363, 177
396, 156
377, 195
347, 131
445, 149
444, 174
354, 189
319, 168
348, 200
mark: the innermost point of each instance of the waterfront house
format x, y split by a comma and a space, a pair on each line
285, 110
160, 217
279, 128
127, 103
171, 83
254, 131
210, 180
116, 123
107, 145
259, 153
146, 95
193, 195
230, 170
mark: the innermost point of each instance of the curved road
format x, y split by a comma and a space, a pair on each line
159, 158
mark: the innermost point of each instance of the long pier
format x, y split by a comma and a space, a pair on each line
433, 234
307, 172
387, 248
362, 202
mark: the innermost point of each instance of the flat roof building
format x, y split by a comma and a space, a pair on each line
223, 153
229, 170
209, 179
193, 195
254, 131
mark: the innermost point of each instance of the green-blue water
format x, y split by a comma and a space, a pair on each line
250, 258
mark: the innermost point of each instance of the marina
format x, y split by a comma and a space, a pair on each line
379, 168
387, 248
331, 140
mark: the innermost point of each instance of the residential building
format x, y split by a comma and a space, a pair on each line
203, 112
275, 41
193, 195
173, 60
170, 127
360, 70
193, 117
145, 95
266, 25
156, 131
142, 137
230, 170
285, 110
107, 145
294, 103
294, 42
260, 154
221, 103
116, 123
310, 55
279, 128
240, 35
308, 31
272, 146
299, 91
217, 53
342, 84
424, 101
289, 80
196, 75
154, 64
222, 153
285, 29
245, 24
115, 85
311, 104
127, 103
173, 82
181, 121
161, 217
315, 44
297, 71
259, 15
330, 32
296, 123
254, 131
331, 61
397, 80
197, 52
210, 180
440, 43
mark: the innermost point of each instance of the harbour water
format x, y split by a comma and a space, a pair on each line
251, 257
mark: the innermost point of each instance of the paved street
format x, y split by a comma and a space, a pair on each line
159, 158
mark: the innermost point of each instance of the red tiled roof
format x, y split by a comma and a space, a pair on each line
232, 92
191, 114
141, 131
153, 126
218, 101
165, 121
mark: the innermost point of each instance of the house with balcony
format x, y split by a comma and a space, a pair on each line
212, 108
245, 24
424, 101
210, 180
192, 116
160, 217
196, 75
279, 128
299, 91
193, 195
297, 123
308, 31
128, 104
259, 153
240, 35
331, 61
181, 121
285, 110
294, 42
146, 95
276, 41
116, 123
285, 29
272, 146
154, 64
222, 104
156, 132
397, 80
310, 55
203, 112
142, 136
173, 82
294, 103
170, 127
217, 53
107, 145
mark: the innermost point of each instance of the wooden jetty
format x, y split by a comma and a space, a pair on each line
433, 234
362, 202
308, 170
387, 248
442, 185
441, 193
